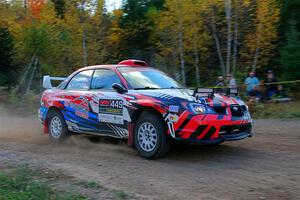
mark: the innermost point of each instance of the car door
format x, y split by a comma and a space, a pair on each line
111, 111
77, 110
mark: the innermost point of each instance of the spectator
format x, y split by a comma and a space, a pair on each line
270, 88
252, 84
231, 82
219, 86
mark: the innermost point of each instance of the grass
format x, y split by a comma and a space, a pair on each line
121, 194
90, 184
275, 110
23, 183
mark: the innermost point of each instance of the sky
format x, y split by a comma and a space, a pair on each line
112, 4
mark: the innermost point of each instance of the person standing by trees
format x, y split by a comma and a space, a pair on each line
271, 88
219, 86
252, 83
231, 82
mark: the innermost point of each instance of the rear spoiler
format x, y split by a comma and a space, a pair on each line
209, 92
47, 81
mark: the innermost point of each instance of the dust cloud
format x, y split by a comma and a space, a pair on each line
23, 128
20, 127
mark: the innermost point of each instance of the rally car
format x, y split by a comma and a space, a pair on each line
133, 101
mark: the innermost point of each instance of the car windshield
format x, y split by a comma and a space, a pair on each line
147, 78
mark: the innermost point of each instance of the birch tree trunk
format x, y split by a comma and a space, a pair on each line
229, 34
35, 64
84, 48
217, 42
197, 64
182, 66
257, 49
256, 54
180, 42
235, 47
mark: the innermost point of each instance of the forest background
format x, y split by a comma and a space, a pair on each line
192, 40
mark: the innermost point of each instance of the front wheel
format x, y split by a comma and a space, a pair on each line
150, 136
58, 131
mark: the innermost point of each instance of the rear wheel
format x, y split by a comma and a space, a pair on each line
58, 131
150, 136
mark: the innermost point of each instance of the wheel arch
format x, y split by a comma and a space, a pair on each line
50, 109
139, 112
53, 108
136, 116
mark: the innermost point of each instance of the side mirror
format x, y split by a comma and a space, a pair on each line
119, 88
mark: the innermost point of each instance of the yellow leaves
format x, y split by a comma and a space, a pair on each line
266, 21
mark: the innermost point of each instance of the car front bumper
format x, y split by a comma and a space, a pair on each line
210, 129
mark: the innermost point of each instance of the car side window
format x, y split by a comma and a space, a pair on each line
104, 79
81, 81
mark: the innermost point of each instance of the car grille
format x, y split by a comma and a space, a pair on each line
234, 129
236, 111
220, 110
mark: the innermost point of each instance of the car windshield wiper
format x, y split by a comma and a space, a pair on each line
146, 88
172, 87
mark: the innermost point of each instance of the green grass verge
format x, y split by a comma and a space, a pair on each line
275, 110
23, 183
90, 184
121, 194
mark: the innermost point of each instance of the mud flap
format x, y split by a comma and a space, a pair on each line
130, 141
46, 129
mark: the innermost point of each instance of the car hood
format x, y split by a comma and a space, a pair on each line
187, 94
222, 100
168, 94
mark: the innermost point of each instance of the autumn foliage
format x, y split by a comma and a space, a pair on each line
194, 41
35, 7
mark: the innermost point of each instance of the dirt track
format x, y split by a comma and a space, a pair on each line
266, 166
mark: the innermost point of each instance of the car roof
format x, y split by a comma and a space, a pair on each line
108, 67
124, 63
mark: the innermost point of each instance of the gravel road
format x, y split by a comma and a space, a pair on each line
266, 166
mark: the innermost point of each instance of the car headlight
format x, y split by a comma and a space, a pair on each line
201, 109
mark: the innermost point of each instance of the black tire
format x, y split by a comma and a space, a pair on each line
60, 136
162, 144
216, 144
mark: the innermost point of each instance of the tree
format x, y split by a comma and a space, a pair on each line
60, 7
172, 24
228, 13
262, 42
290, 51
137, 28
8, 69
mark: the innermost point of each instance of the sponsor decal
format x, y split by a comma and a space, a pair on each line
80, 106
111, 106
172, 118
111, 111
104, 102
108, 118
173, 108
